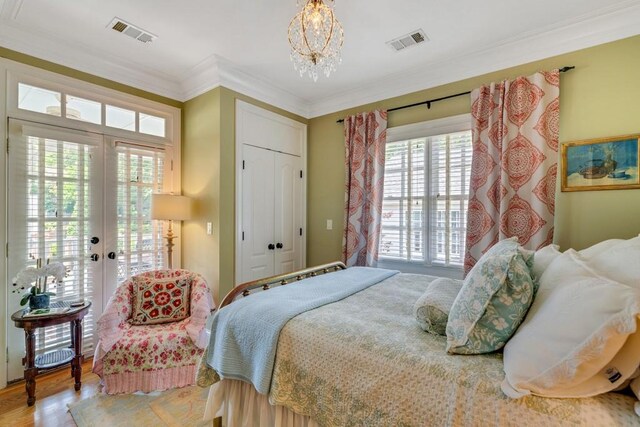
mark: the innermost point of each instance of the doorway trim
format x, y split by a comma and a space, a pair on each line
246, 115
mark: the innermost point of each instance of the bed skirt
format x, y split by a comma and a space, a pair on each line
240, 405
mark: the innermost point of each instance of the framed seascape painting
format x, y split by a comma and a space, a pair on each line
601, 164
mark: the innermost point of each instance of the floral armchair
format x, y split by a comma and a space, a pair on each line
150, 357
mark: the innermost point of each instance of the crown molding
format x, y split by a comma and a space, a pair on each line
235, 79
599, 27
216, 71
201, 78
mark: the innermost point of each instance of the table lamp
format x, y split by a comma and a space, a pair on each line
170, 207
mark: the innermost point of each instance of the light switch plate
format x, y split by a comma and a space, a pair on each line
209, 228
329, 224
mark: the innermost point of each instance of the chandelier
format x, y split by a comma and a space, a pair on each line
316, 37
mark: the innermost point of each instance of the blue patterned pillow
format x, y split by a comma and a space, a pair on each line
493, 301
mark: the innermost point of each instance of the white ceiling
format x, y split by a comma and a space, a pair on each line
243, 44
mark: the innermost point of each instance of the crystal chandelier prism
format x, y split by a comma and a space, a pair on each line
316, 37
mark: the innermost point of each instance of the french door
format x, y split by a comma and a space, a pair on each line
82, 199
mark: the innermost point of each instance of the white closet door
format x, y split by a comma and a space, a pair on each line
288, 213
257, 213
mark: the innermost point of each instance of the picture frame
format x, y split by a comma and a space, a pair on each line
601, 164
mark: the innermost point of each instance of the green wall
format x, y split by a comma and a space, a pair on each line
201, 180
208, 175
599, 98
70, 72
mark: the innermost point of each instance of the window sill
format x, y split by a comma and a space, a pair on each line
419, 268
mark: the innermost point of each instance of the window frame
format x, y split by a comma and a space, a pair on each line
19, 73
426, 129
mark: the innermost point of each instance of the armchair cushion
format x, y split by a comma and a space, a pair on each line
152, 348
160, 299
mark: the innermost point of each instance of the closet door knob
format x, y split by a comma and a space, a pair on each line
271, 246
279, 245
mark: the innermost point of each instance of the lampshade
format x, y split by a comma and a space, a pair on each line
169, 206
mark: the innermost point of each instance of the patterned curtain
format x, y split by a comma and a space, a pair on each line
365, 137
515, 163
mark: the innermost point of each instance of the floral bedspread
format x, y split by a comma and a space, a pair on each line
365, 361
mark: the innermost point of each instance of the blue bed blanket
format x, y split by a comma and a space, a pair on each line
244, 334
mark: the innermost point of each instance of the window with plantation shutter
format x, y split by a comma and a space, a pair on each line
426, 191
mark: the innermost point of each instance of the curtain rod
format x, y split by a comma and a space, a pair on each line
430, 101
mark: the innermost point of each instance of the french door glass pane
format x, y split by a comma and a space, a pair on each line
140, 247
52, 186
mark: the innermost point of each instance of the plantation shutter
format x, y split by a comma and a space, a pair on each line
426, 187
449, 195
402, 234
54, 207
140, 173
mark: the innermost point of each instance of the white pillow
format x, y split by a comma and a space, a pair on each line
616, 259
543, 258
599, 248
578, 338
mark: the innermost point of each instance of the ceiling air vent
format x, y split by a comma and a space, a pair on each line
408, 40
131, 30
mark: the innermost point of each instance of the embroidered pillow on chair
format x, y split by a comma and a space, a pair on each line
160, 300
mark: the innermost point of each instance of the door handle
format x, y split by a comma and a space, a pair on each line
271, 246
94, 240
279, 245
111, 255
94, 257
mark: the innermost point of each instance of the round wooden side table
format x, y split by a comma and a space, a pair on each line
32, 364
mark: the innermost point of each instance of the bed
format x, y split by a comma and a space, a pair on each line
363, 360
